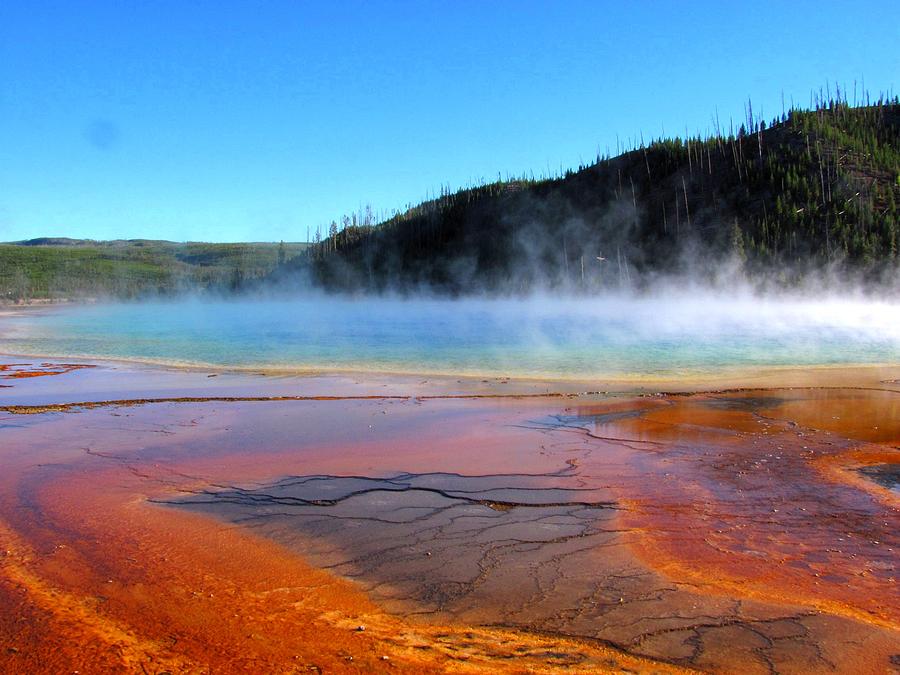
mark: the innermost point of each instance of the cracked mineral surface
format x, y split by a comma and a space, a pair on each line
298, 524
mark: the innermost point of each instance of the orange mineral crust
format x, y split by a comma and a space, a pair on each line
739, 531
750, 513
103, 580
13, 371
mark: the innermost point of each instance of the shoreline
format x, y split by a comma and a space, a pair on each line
724, 378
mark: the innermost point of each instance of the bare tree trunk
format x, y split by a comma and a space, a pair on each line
686, 209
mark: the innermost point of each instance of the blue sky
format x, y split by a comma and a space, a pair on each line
231, 121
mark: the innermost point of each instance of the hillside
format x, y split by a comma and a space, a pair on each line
60, 268
813, 189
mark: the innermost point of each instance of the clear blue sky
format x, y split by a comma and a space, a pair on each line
233, 121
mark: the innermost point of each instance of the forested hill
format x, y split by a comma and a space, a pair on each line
812, 189
71, 269
815, 189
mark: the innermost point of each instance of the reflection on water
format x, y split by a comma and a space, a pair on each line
886, 475
569, 338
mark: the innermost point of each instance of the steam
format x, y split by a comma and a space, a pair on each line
673, 330
547, 244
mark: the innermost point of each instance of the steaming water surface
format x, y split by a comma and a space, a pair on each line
572, 338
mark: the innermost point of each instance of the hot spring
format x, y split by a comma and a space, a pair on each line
577, 338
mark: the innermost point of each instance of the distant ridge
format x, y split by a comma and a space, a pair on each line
62, 268
67, 241
51, 241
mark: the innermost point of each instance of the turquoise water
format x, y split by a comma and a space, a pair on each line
575, 338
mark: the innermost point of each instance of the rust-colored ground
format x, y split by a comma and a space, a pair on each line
17, 371
725, 531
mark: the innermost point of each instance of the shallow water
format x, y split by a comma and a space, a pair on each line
616, 336
887, 475
721, 531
